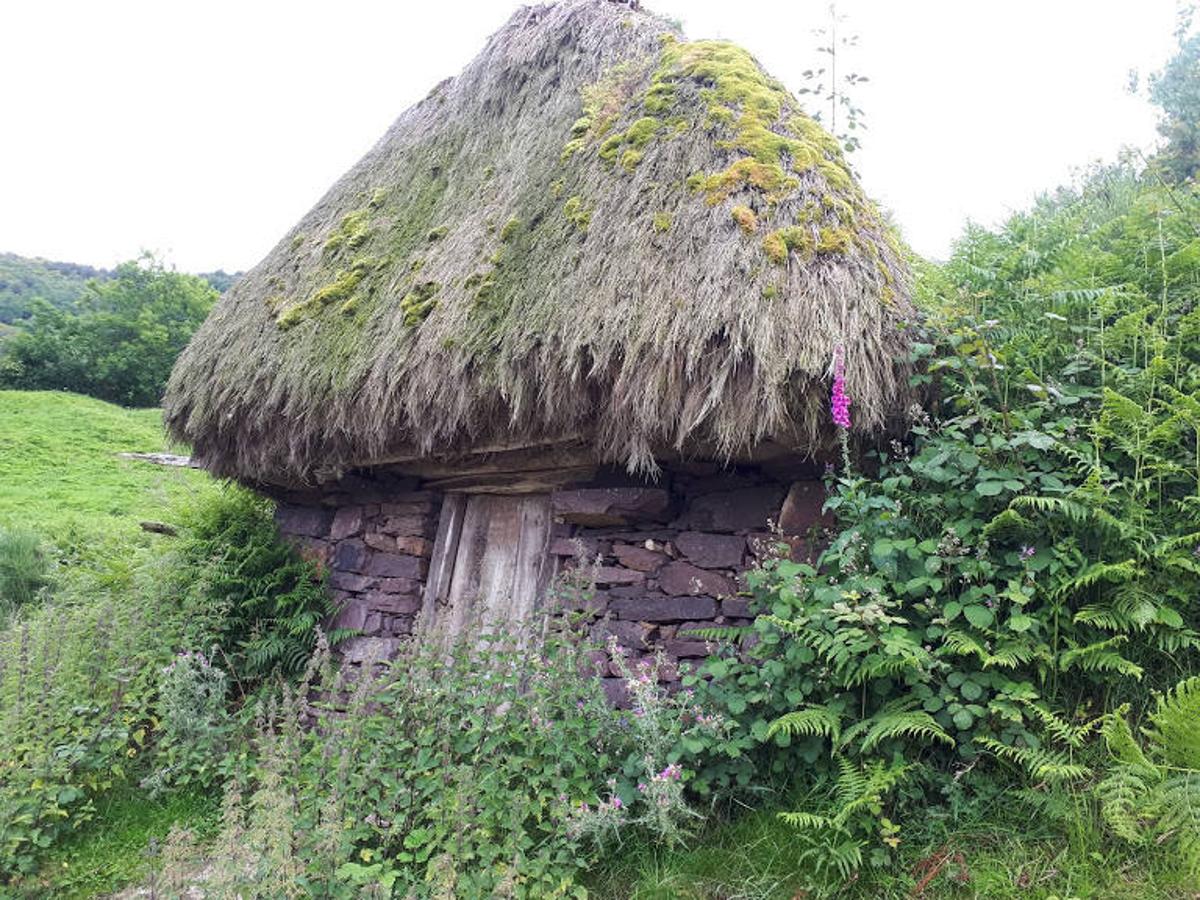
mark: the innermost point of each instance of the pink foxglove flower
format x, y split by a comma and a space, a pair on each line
839, 401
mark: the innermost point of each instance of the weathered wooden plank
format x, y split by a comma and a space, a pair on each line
445, 550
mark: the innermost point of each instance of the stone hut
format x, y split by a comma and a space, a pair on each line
591, 292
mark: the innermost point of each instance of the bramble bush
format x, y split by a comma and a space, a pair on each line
1027, 559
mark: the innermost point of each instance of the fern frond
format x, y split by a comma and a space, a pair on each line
1111, 573
1175, 725
812, 721
890, 724
1099, 657
1042, 765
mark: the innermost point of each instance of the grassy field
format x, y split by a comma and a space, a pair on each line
60, 473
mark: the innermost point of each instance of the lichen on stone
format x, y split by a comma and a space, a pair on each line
436, 234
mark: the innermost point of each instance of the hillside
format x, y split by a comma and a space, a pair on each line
59, 468
24, 279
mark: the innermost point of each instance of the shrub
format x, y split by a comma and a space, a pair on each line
23, 569
261, 603
464, 767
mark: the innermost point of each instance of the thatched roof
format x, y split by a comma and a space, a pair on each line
598, 229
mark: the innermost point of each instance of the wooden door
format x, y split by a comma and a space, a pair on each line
490, 559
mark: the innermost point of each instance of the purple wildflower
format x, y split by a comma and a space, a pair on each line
839, 401
616, 803
1027, 552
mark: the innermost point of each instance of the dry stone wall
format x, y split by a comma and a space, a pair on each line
667, 558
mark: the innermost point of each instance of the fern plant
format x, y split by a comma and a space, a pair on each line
1151, 794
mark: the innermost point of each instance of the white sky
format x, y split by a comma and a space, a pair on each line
204, 130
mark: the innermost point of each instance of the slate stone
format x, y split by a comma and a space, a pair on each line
684, 578
747, 509
629, 635
639, 558
347, 522
610, 506
415, 546
801, 510
395, 604
378, 541
390, 565
736, 607
352, 615
609, 575
411, 526
351, 556
665, 609
308, 521
688, 649
711, 551
348, 581
369, 649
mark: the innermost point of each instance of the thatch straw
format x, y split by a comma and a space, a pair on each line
596, 229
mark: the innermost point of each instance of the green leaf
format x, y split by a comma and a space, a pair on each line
979, 616
963, 720
989, 488
951, 610
1019, 623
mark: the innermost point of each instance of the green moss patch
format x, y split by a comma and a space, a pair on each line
745, 218
418, 303
662, 222
510, 229
352, 232
578, 212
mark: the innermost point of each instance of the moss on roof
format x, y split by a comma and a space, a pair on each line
598, 228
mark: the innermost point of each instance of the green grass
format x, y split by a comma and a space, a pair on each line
59, 470
1001, 851
114, 850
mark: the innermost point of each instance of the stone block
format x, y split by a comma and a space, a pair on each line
399, 585
689, 649
736, 607
711, 551
348, 581
379, 541
307, 521
801, 510
639, 558
415, 546
611, 506
663, 609
389, 565
684, 578
393, 604
610, 575
616, 691
629, 635
408, 526
352, 615
347, 522
369, 649
746, 509
351, 556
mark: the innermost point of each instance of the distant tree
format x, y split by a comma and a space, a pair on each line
220, 279
1176, 91
121, 342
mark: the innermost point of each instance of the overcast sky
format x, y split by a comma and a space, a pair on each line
204, 130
